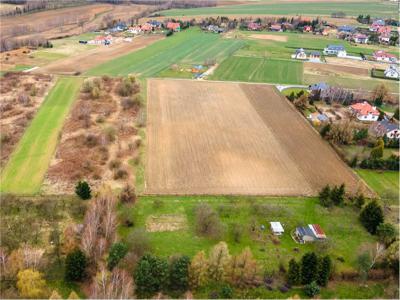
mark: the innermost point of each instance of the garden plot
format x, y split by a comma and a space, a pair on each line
229, 138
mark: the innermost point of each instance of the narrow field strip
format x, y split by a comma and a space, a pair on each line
28, 164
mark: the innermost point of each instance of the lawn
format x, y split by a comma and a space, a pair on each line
25, 170
189, 47
385, 183
345, 237
321, 8
253, 69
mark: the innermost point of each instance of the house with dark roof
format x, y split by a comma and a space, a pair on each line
310, 233
254, 26
346, 29
385, 128
337, 50
320, 86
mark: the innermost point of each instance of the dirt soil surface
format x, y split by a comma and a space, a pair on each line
56, 23
86, 60
271, 37
230, 138
328, 69
21, 95
365, 64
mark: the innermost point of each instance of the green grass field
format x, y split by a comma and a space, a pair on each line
385, 183
345, 237
321, 8
188, 47
25, 170
254, 69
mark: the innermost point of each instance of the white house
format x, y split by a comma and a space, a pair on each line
300, 54
360, 38
386, 128
383, 56
392, 72
337, 50
277, 228
365, 111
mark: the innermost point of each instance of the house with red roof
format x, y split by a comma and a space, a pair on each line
146, 27
365, 111
173, 26
253, 26
307, 28
276, 27
101, 40
383, 56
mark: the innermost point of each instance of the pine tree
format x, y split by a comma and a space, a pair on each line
198, 270
117, 252
82, 189
324, 270
309, 268
294, 276
179, 273
337, 194
75, 265
325, 196
371, 216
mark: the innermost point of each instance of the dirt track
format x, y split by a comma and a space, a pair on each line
86, 60
271, 37
230, 138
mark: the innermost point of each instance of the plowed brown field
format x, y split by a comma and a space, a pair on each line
231, 138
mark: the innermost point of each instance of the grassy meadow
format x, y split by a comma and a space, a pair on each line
312, 8
254, 69
25, 170
385, 183
190, 47
344, 238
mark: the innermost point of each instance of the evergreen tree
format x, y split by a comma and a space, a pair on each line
151, 275
117, 252
75, 265
387, 233
309, 268
179, 273
325, 196
82, 189
294, 276
337, 194
360, 200
324, 270
311, 289
371, 216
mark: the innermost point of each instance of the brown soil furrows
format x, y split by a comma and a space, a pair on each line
271, 37
335, 69
86, 60
229, 138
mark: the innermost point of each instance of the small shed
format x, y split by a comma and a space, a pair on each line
305, 234
277, 228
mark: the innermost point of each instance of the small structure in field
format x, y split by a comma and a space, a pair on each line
315, 56
337, 50
365, 111
101, 40
386, 128
317, 118
320, 86
392, 72
360, 38
310, 233
277, 228
307, 28
383, 56
300, 54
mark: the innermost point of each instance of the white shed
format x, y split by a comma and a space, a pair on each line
277, 228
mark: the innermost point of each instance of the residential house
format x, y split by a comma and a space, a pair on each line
135, 30
254, 26
307, 28
383, 56
317, 119
384, 38
365, 111
310, 233
360, 38
392, 72
346, 29
337, 50
276, 27
315, 56
300, 54
386, 128
146, 27
376, 25
215, 29
277, 228
174, 26
101, 40
318, 86
155, 24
